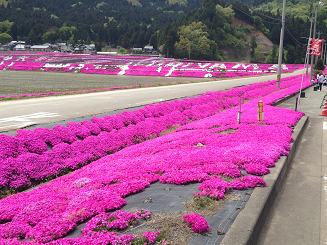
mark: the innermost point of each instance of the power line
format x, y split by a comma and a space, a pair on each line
294, 39
257, 11
276, 23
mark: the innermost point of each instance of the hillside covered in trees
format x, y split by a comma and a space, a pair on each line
208, 32
263, 15
296, 8
202, 33
119, 22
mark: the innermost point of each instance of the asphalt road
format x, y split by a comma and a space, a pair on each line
21, 113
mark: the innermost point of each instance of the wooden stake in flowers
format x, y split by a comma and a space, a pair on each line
260, 111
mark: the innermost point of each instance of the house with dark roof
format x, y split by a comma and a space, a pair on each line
19, 47
149, 50
41, 48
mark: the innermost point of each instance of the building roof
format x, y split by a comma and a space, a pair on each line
40, 46
18, 46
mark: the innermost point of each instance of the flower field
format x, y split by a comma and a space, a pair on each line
81, 143
114, 159
133, 65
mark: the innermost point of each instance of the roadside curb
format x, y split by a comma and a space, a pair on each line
248, 225
289, 96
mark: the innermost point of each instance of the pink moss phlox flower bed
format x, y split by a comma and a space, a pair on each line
131, 65
134, 65
26, 159
246, 182
101, 185
108, 222
197, 222
214, 187
101, 230
212, 145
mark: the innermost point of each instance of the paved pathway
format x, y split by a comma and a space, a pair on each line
299, 215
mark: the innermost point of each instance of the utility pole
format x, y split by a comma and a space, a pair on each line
189, 52
322, 50
308, 49
319, 33
281, 42
323, 46
320, 4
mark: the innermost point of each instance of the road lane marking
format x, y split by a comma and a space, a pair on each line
13, 126
24, 120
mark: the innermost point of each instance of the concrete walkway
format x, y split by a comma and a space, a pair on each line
299, 213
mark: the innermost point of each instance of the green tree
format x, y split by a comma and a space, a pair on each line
253, 45
5, 26
182, 47
13, 31
168, 47
272, 58
291, 55
32, 37
194, 38
121, 50
50, 37
5, 38
193, 31
228, 12
259, 54
65, 32
206, 46
153, 40
319, 65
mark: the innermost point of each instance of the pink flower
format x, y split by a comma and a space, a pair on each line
197, 222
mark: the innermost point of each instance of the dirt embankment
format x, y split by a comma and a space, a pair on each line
260, 37
262, 41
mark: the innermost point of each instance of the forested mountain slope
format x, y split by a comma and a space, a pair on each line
298, 8
215, 31
120, 22
297, 30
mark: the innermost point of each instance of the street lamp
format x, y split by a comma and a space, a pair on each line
320, 4
307, 56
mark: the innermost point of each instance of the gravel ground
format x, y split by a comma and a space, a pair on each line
30, 82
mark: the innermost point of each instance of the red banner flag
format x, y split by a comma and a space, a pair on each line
316, 46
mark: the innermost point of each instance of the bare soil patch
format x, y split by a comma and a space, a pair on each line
177, 231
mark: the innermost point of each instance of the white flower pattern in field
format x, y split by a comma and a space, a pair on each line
136, 65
